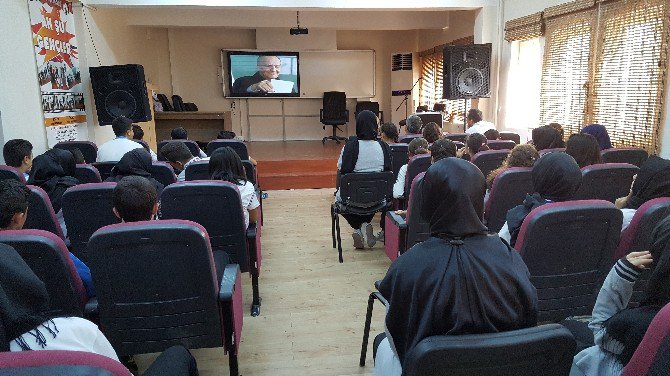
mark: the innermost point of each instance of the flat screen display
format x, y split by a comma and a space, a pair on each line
263, 74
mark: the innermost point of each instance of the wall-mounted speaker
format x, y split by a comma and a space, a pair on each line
120, 90
467, 71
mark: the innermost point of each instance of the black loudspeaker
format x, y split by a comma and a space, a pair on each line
467, 71
120, 90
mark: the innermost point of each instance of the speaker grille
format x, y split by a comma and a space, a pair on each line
401, 62
120, 90
467, 71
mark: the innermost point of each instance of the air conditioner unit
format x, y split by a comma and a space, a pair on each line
402, 79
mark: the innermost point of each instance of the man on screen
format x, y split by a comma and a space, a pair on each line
261, 82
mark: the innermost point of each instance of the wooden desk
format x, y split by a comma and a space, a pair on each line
201, 126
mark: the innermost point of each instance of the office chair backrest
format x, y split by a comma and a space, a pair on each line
509, 190
41, 215
238, 146
49, 259
86, 173
334, 106
549, 348
568, 248
366, 190
86, 208
634, 156
88, 149
607, 181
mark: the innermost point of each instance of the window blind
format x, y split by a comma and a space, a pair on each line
528, 27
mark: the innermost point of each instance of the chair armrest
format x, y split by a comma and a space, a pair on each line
398, 220
321, 115
254, 247
378, 295
251, 231
228, 282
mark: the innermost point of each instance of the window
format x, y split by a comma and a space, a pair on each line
523, 87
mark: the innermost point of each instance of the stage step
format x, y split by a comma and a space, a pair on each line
297, 174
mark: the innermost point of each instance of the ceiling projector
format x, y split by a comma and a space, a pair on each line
299, 31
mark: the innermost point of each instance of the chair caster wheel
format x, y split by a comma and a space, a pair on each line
255, 310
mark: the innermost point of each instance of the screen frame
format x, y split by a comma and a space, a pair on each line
229, 85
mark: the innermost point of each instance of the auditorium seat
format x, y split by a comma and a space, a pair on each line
501, 144
510, 136
163, 173
59, 362
637, 237
86, 208
399, 157
192, 147
568, 248
86, 173
401, 233
41, 215
416, 165
216, 205
104, 168
238, 146
651, 356
489, 160
198, 170
549, 348
87, 148
49, 259
509, 189
9, 172
157, 287
460, 137
408, 137
634, 156
606, 181
552, 150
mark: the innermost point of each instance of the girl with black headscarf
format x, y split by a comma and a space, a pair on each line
364, 153
619, 330
27, 320
462, 280
136, 162
652, 181
556, 178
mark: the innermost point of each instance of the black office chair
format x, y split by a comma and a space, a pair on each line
335, 113
369, 106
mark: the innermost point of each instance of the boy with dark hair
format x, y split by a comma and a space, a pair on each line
135, 199
18, 153
113, 150
181, 134
476, 124
179, 157
138, 135
13, 214
442, 148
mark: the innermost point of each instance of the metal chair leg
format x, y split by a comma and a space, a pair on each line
232, 364
332, 223
339, 239
366, 330
256, 302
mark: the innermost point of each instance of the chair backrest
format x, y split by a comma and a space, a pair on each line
334, 110
510, 136
88, 149
163, 173
237, 145
427, 117
551, 150
508, 190
399, 157
198, 170
59, 362
9, 172
607, 181
367, 190
41, 215
460, 137
489, 160
568, 248
369, 106
651, 356
156, 286
408, 137
416, 165
104, 169
49, 259
86, 208
215, 205
86, 173
192, 147
634, 156
501, 144
418, 230
250, 171
549, 348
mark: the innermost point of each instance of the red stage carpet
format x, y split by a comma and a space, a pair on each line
295, 164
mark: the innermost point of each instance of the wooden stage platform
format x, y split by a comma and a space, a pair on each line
295, 164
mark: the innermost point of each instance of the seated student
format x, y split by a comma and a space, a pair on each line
27, 320
442, 148
492, 134
652, 181
13, 214
229, 135
417, 146
462, 280
112, 151
179, 157
18, 153
54, 172
600, 133
476, 124
138, 135
474, 143
226, 165
546, 138
432, 132
135, 199
181, 134
135, 163
363, 153
389, 133
414, 126
561, 134
618, 330
522, 155
556, 178
584, 149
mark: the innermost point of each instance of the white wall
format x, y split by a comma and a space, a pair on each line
20, 100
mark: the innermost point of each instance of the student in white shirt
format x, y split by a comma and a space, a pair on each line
226, 165
476, 124
114, 150
18, 153
179, 157
416, 147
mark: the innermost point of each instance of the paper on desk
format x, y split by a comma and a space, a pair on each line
282, 86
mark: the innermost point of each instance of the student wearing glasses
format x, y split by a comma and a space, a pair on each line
269, 68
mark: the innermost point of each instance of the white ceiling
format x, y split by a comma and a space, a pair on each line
383, 5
